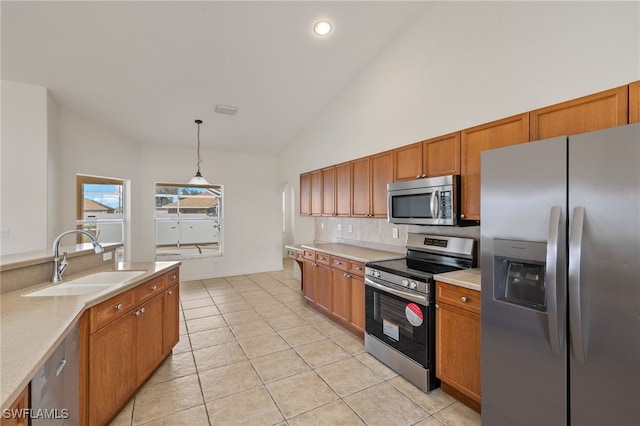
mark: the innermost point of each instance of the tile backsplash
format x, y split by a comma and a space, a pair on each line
378, 233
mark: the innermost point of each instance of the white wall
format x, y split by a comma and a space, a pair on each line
459, 64
24, 165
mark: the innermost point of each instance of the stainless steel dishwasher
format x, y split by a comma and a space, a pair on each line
54, 389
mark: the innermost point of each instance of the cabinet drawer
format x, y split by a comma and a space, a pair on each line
460, 297
356, 268
173, 277
340, 263
325, 259
152, 287
310, 255
300, 255
112, 309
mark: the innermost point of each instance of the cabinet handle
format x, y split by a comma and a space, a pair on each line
170, 292
464, 299
347, 275
423, 175
437, 306
142, 310
154, 287
462, 216
173, 277
338, 263
118, 306
418, 177
137, 313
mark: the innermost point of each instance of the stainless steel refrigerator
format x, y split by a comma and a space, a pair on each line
560, 247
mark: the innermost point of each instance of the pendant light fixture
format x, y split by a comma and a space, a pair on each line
198, 179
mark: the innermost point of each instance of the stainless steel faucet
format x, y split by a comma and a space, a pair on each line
59, 265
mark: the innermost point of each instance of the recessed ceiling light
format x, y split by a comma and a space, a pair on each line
322, 28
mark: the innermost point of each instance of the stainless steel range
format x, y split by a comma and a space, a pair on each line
399, 304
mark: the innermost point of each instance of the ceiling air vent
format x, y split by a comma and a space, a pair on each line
223, 109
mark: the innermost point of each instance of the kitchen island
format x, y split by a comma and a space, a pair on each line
32, 327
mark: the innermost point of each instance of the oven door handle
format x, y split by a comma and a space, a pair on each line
413, 297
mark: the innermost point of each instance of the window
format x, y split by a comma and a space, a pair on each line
100, 208
188, 221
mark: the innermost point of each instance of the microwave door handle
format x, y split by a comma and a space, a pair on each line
435, 204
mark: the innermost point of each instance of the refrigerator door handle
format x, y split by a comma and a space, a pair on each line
553, 317
575, 261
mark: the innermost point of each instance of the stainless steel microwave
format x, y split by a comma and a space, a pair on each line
429, 201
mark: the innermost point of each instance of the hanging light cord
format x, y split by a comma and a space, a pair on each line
198, 122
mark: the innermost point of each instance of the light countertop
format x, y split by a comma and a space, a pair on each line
32, 327
359, 254
468, 278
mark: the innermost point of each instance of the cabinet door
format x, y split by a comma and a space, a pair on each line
171, 319
634, 102
149, 336
381, 175
508, 131
441, 155
598, 111
19, 407
340, 293
329, 191
458, 349
360, 188
408, 162
356, 299
316, 193
343, 189
322, 289
308, 283
111, 363
305, 194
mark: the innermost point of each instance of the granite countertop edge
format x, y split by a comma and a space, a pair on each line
351, 252
467, 278
32, 327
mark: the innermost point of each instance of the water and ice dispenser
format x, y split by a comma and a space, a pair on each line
519, 273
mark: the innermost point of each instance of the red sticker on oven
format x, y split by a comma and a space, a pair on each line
414, 314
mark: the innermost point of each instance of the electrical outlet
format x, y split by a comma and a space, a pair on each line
321, 225
108, 255
394, 232
4, 234
339, 227
349, 228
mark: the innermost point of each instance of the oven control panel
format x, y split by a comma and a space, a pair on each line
408, 283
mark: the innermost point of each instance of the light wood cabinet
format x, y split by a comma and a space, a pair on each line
343, 189
329, 191
129, 336
316, 193
381, 175
634, 102
458, 332
361, 187
335, 287
305, 194
18, 411
508, 131
433, 157
594, 112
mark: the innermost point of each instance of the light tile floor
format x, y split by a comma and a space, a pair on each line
251, 352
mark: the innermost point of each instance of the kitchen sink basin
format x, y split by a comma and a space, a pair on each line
87, 285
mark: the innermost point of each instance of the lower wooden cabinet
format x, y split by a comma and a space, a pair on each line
335, 287
125, 351
18, 411
458, 331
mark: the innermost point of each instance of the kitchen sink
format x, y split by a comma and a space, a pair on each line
87, 285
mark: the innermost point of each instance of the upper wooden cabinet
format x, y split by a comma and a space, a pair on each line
508, 131
329, 191
316, 193
634, 102
343, 189
441, 155
434, 157
598, 111
360, 187
305, 194
381, 175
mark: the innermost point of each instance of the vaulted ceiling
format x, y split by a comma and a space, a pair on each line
148, 69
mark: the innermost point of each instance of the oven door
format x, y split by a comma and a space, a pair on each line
400, 319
